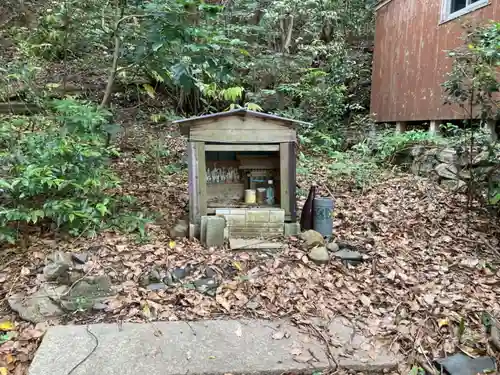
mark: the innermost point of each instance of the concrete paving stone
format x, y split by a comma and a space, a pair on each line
357, 352
214, 347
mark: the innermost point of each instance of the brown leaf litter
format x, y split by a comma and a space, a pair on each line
430, 261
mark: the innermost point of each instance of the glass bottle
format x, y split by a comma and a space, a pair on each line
306, 218
270, 193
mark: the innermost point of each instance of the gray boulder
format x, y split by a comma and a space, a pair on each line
333, 247
425, 163
454, 185
448, 171
55, 271
319, 255
482, 159
60, 257
80, 258
180, 230
54, 292
86, 292
312, 238
206, 286
447, 156
35, 308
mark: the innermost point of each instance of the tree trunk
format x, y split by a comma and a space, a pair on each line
112, 73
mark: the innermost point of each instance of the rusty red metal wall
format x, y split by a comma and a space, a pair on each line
410, 59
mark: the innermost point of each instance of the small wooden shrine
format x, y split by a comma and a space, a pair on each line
233, 152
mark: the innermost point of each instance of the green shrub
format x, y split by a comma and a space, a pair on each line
56, 172
387, 145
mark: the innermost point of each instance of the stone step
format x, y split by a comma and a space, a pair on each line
212, 347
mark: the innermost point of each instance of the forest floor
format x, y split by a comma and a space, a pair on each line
432, 268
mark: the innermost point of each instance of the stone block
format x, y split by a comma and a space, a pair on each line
222, 211
194, 231
277, 216
235, 219
256, 215
292, 229
244, 232
215, 231
238, 211
259, 225
203, 229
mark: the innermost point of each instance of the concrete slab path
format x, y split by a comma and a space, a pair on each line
213, 347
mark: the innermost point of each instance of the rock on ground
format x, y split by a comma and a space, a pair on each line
60, 257
348, 255
319, 255
312, 238
35, 308
453, 185
80, 258
54, 271
333, 247
447, 171
87, 292
180, 230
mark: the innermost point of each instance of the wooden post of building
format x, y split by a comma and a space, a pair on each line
400, 127
284, 178
194, 212
197, 186
434, 127
490, 128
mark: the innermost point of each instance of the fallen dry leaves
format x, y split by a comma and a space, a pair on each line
433, 266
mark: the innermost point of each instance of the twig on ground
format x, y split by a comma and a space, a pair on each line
77, 281
328, 190
12, 286
471, 241
4, 266
331, 356
465, 352
429, 366
96, 340
190, 326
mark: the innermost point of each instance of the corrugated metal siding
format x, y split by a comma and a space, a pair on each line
410, 59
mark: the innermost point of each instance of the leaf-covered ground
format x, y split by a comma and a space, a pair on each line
433, 269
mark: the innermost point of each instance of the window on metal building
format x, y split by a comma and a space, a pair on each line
456, 8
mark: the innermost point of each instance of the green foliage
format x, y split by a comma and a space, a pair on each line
473, 84
308, 61
473, 80
387, 145
65, 28
156, 157
417, 370
366, 162
179, 45
57, 172
357, 169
